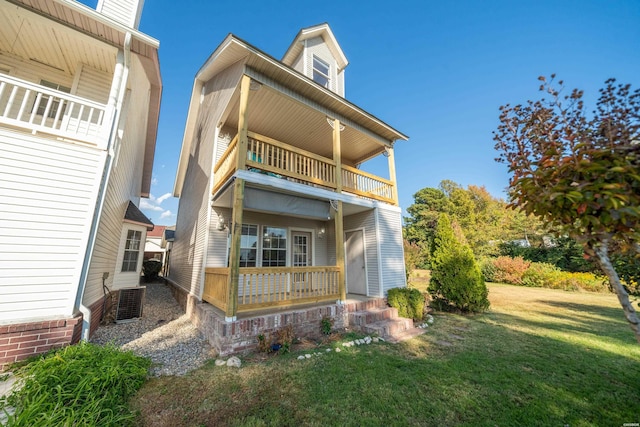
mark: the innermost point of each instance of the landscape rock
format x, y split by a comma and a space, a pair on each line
234, 362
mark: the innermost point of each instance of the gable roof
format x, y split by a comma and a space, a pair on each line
321, 30
135, 216
158, 231
233, 50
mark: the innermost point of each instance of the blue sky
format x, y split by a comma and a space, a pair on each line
435, 70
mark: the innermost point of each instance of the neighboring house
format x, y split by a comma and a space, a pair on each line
274, 211
79, 104
153, 244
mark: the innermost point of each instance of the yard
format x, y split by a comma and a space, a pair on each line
538, 357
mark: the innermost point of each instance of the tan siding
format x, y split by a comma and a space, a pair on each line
366, 220
390, 230
124, 185
33, 72
188, 252
47, 195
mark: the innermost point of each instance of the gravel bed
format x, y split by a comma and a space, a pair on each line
164, 334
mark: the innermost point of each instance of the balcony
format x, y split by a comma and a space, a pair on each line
277, 159
38, 109
265, 287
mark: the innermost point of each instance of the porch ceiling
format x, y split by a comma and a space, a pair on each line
29, 35
285, 119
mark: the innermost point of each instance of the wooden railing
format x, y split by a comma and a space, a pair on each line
280, 160
40, 109
262, 287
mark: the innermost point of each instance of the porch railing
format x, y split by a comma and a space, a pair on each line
263, 287
40, 109
280, 160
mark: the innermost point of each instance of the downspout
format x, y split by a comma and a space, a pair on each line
114, 106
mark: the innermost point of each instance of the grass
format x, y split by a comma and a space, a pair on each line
538, 357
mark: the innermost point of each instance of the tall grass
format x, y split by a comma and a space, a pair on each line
80, 385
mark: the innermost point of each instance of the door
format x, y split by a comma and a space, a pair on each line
356, 271
301, 257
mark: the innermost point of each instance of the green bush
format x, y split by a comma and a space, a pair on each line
456, 279
538, 274
488, 269
409, 302
79, 385
509, 270
151, 269
576, 281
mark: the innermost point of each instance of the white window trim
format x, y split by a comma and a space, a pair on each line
329, 73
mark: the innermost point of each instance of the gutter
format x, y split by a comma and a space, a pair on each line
116, 99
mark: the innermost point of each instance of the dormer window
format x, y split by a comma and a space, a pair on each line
321, 72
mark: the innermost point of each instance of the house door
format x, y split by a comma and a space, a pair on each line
301, 257
356, 272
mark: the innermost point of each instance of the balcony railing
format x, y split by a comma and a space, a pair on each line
40, 109
281, 160
263, 287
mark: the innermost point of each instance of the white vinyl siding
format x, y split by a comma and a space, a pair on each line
189, 250
93, 84
366, 220
128, 278
47, 195
390, 231
124, 11
316, 47
124, 186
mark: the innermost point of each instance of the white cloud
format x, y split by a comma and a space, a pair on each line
162, 198
145, 204
154, 181
166, 214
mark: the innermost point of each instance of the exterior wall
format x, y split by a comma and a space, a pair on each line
123, 186
389, 221
126, 279
21, 341
33, 71
218, 240
298, 64
316, 46
93, 84
192, 225
367, 221
48, 191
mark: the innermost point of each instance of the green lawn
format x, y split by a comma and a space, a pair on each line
539, 357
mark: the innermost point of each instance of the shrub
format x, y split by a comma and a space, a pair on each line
409, 302
509, 270
83, 384
456, 278
538, 274
326, 325
576, 281
151, 269
488, 269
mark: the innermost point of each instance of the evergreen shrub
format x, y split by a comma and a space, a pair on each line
409, 302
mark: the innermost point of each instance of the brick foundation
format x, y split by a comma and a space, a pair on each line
20, 341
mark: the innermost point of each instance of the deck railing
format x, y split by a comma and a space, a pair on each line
285, 161
40, 109
262, 287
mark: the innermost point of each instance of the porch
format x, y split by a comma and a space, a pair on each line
278, 159
272, 287
39, 109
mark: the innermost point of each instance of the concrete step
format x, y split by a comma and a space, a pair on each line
405, 335
388, 327
358, 319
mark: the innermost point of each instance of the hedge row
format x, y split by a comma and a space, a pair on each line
517, 271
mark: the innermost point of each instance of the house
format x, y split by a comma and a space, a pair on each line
79, 103
274, 211
153, 244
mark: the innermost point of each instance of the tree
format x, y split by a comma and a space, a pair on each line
579, 172
456, 278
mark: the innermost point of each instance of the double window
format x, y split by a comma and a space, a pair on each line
268, 249
131, 251
321, 72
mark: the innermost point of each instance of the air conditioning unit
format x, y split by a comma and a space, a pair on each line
130, 304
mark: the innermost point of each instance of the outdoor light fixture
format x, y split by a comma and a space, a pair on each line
221, 224
321, 233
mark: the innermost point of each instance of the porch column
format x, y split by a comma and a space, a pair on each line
238, 198
392, 174
337, 158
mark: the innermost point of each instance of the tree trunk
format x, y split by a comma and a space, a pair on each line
602, 257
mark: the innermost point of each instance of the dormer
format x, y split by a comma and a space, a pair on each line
126, 12
316, 54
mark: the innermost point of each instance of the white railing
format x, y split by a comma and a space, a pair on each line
40, 109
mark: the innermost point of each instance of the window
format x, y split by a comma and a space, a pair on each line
248, 245
321, 71
55, 103
274, 247
131, 251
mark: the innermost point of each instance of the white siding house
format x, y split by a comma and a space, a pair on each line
274, 211
79, 105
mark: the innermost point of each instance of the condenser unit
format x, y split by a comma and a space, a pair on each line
130, 304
